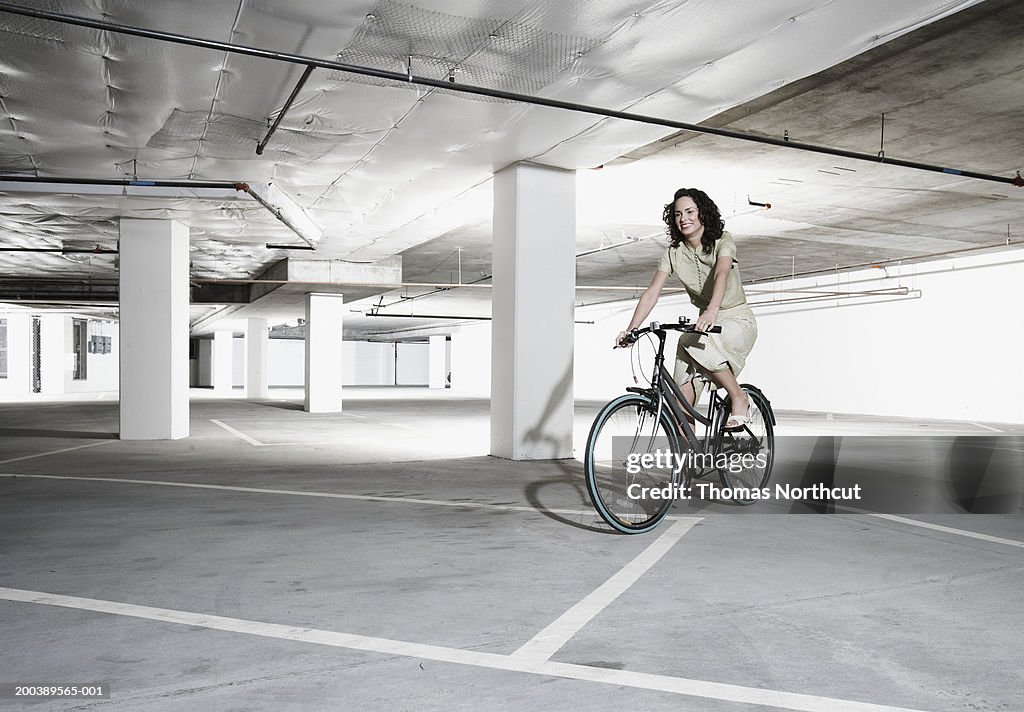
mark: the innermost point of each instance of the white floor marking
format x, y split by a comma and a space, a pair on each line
542, 646
54, 452
987, 427
677, 685
326, 495
947, 530
237, 433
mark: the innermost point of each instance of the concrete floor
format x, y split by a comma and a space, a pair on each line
378, 559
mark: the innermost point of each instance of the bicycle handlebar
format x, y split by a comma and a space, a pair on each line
684, 325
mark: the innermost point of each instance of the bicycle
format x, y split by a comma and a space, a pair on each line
635, 464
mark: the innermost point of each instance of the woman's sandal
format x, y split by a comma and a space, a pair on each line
737, 422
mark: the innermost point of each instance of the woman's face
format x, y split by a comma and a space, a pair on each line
687, 217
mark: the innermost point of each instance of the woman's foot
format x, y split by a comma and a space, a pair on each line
740, 415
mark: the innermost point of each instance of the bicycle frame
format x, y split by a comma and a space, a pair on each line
668, 392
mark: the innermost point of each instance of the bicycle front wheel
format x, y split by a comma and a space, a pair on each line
745, 457
631, 465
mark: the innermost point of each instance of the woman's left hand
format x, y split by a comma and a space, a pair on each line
706, 320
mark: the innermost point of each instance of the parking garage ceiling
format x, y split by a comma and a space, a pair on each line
387, 167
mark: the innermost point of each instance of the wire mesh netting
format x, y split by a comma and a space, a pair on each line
32, 26
234, 137
495, 53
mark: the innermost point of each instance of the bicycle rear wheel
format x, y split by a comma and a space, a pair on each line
746, 456
630, 464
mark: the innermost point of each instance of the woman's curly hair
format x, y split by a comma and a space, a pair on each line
708, 214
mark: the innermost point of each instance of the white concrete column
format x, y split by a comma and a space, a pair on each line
154, 301
324, 313
257, 347
54, 354
19, 354
222, 371
437, 366
534, 267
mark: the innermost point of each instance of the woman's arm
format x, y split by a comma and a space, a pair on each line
723, 265
646, 303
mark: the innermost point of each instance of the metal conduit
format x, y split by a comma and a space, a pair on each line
880, 263
284, 110
136, 183
125, 182
493, 93
62, 250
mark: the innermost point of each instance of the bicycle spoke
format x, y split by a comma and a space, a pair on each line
629, 465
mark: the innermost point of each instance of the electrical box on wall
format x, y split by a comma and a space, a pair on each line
100, 344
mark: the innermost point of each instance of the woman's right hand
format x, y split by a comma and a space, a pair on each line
619, 338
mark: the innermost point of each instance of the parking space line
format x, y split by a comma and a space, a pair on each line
546, 643
54, 452
301, 493
947, 530
252, 441
677, 685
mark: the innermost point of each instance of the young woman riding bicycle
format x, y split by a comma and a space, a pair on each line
703, 256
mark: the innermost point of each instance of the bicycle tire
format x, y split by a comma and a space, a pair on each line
750, 445
626, 426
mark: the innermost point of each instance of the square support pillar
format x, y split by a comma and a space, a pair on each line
257, 347
534, 267
222, 367
437, 362
324, 314
154, 302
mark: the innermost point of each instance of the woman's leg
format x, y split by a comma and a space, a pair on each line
689, 394
727, 380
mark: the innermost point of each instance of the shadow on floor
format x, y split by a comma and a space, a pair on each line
283, 405
572, 476
69, 434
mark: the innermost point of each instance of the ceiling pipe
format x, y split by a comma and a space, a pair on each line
409, 78
271, 246
284, 110
62, 250
893, 292
276, 212
443, 316
124, 182
910, 259
195, 184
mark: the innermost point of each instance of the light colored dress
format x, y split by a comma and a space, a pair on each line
712, 352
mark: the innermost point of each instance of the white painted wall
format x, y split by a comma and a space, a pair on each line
55, 354
286, 362
19, 354
368, 363
364, 363
101, 370
413, 367
471, 360
951, 351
